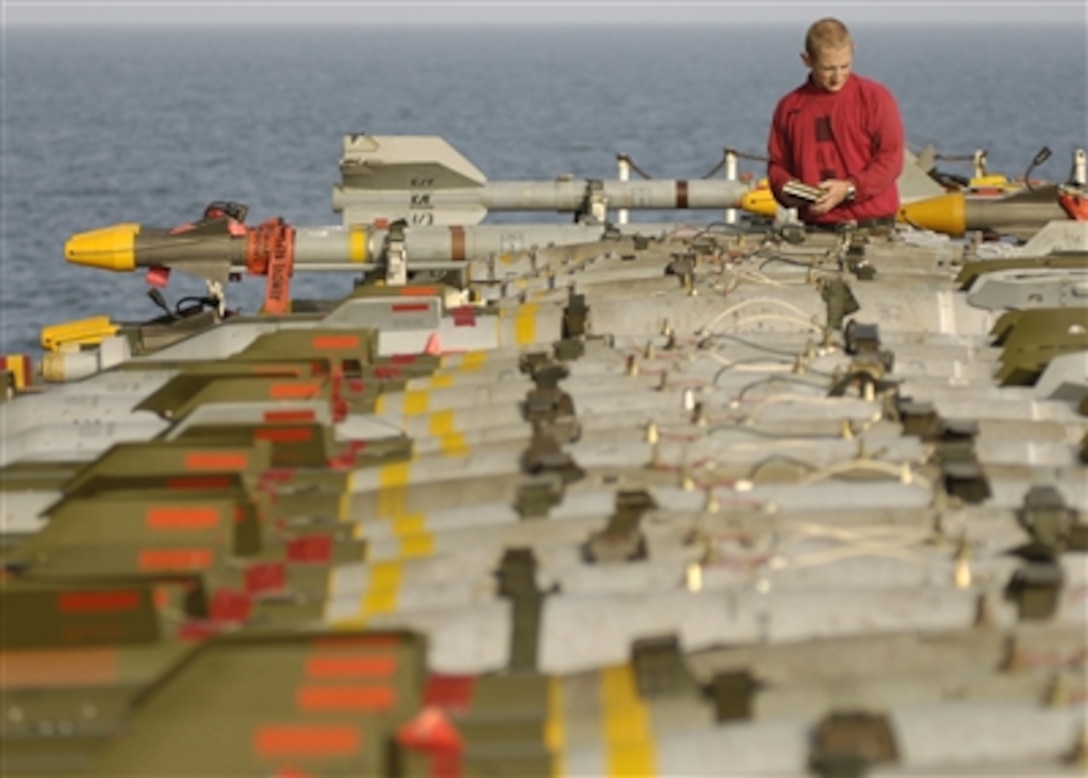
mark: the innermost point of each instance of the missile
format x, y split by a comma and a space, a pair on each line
1020, 215
426, 182
215, 248
470, 206
221, 245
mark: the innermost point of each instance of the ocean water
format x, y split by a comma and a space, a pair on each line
148, 125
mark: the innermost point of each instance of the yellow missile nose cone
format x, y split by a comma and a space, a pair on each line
108, 248
760, 202
944, 213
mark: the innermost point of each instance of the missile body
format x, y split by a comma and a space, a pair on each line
469, 205
1020, 215
214, 249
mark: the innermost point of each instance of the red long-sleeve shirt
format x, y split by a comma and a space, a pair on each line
854, 134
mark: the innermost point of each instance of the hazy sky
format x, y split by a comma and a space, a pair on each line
794, 12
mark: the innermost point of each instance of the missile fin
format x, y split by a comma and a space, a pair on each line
421, 162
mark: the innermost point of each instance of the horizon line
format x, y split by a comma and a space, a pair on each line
564, 23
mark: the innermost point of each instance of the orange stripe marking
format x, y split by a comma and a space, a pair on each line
335, 342
306, 741
208, 460
351, 667
51, 668
175, 559
182, 518
292, 391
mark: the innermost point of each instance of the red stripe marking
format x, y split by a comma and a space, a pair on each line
84, 602
452, 692
310, 548
302, 740
409, 307
292, 391
457, 244
198, 482
285, 434
229, 605
463, 316
182, 518
388, 372
216, 461
277, 475
290, 416
265, 577
418, 291
174, 558
335, 342
355, 698
681, 194
199, 631
351, 666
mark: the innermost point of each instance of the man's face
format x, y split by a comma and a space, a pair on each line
830, 67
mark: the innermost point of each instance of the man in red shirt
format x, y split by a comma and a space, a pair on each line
839, 132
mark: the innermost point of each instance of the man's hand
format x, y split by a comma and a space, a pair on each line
835, 193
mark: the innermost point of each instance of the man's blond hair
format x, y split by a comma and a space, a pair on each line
827, 34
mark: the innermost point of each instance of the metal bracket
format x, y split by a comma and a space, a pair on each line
544, 455
855, 259
1045, 515
594, 208
866, 374
622, 539
517, 582
549, 409
576, 323
681, 265
569, 350
529, 361
1036, 589
732, 693
919, 419
396, 255
847, 744
660, 668
861, 338
840, 301
536, 496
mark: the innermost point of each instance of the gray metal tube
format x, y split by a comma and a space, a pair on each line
561, 196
